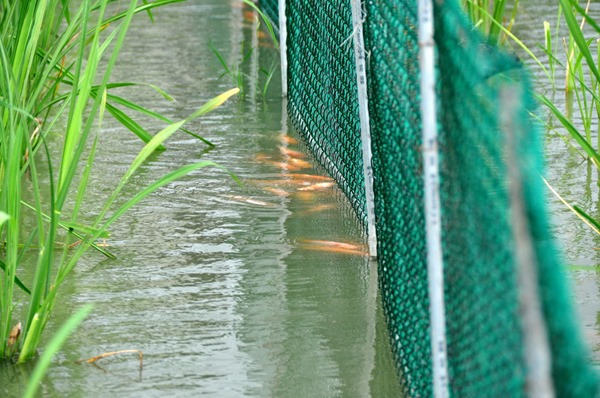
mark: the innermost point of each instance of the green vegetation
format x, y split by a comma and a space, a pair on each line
56, 63
581, 88
582, 76
490, 17
235, 71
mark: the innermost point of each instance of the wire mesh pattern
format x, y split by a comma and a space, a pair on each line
485, 342
485, 329
396, 138
323, 99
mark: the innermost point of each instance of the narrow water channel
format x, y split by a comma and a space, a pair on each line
227, 289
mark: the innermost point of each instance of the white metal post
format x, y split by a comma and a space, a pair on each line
363, 106
538, 356
435, 267
283, 47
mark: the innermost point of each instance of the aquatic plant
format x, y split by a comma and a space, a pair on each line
490, 17
234, 71
582, 90
56, 60
582, 77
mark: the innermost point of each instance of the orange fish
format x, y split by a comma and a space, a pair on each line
291, 153
317, 187
249, 16
306, 196
282, 165
285, 165
303, 164
281, 182
287, 139
332, 243
334, 247
282, 193
309, 177
317, 209
251, 201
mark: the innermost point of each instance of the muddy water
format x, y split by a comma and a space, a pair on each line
227, 289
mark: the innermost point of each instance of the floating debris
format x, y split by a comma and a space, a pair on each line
14, 335
93, 360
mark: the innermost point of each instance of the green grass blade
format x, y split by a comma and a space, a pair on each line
572, 130
587, 218
221, 60
158, 116
593, 224
266, 20
149, 11
3, 218
499, 6
159, 138
18, 282
145, 7
577, 35
588, 19
160, 183
80, 231
52, 348
131, 124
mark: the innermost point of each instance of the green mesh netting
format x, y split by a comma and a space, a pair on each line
322, 90
479, 152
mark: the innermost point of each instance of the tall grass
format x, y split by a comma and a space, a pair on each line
491, 17
56, 60
582, 88
580, 68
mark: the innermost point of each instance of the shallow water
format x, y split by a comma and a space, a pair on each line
574, 178
217, 283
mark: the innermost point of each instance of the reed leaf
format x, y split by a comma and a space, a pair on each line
17, 281
59, 338
158, 116
577, 34
266, 21
571, 129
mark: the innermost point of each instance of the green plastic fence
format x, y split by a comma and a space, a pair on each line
491, 160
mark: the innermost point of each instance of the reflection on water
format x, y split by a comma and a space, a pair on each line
229, 290
575, 179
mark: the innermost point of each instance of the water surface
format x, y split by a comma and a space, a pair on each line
218, 283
